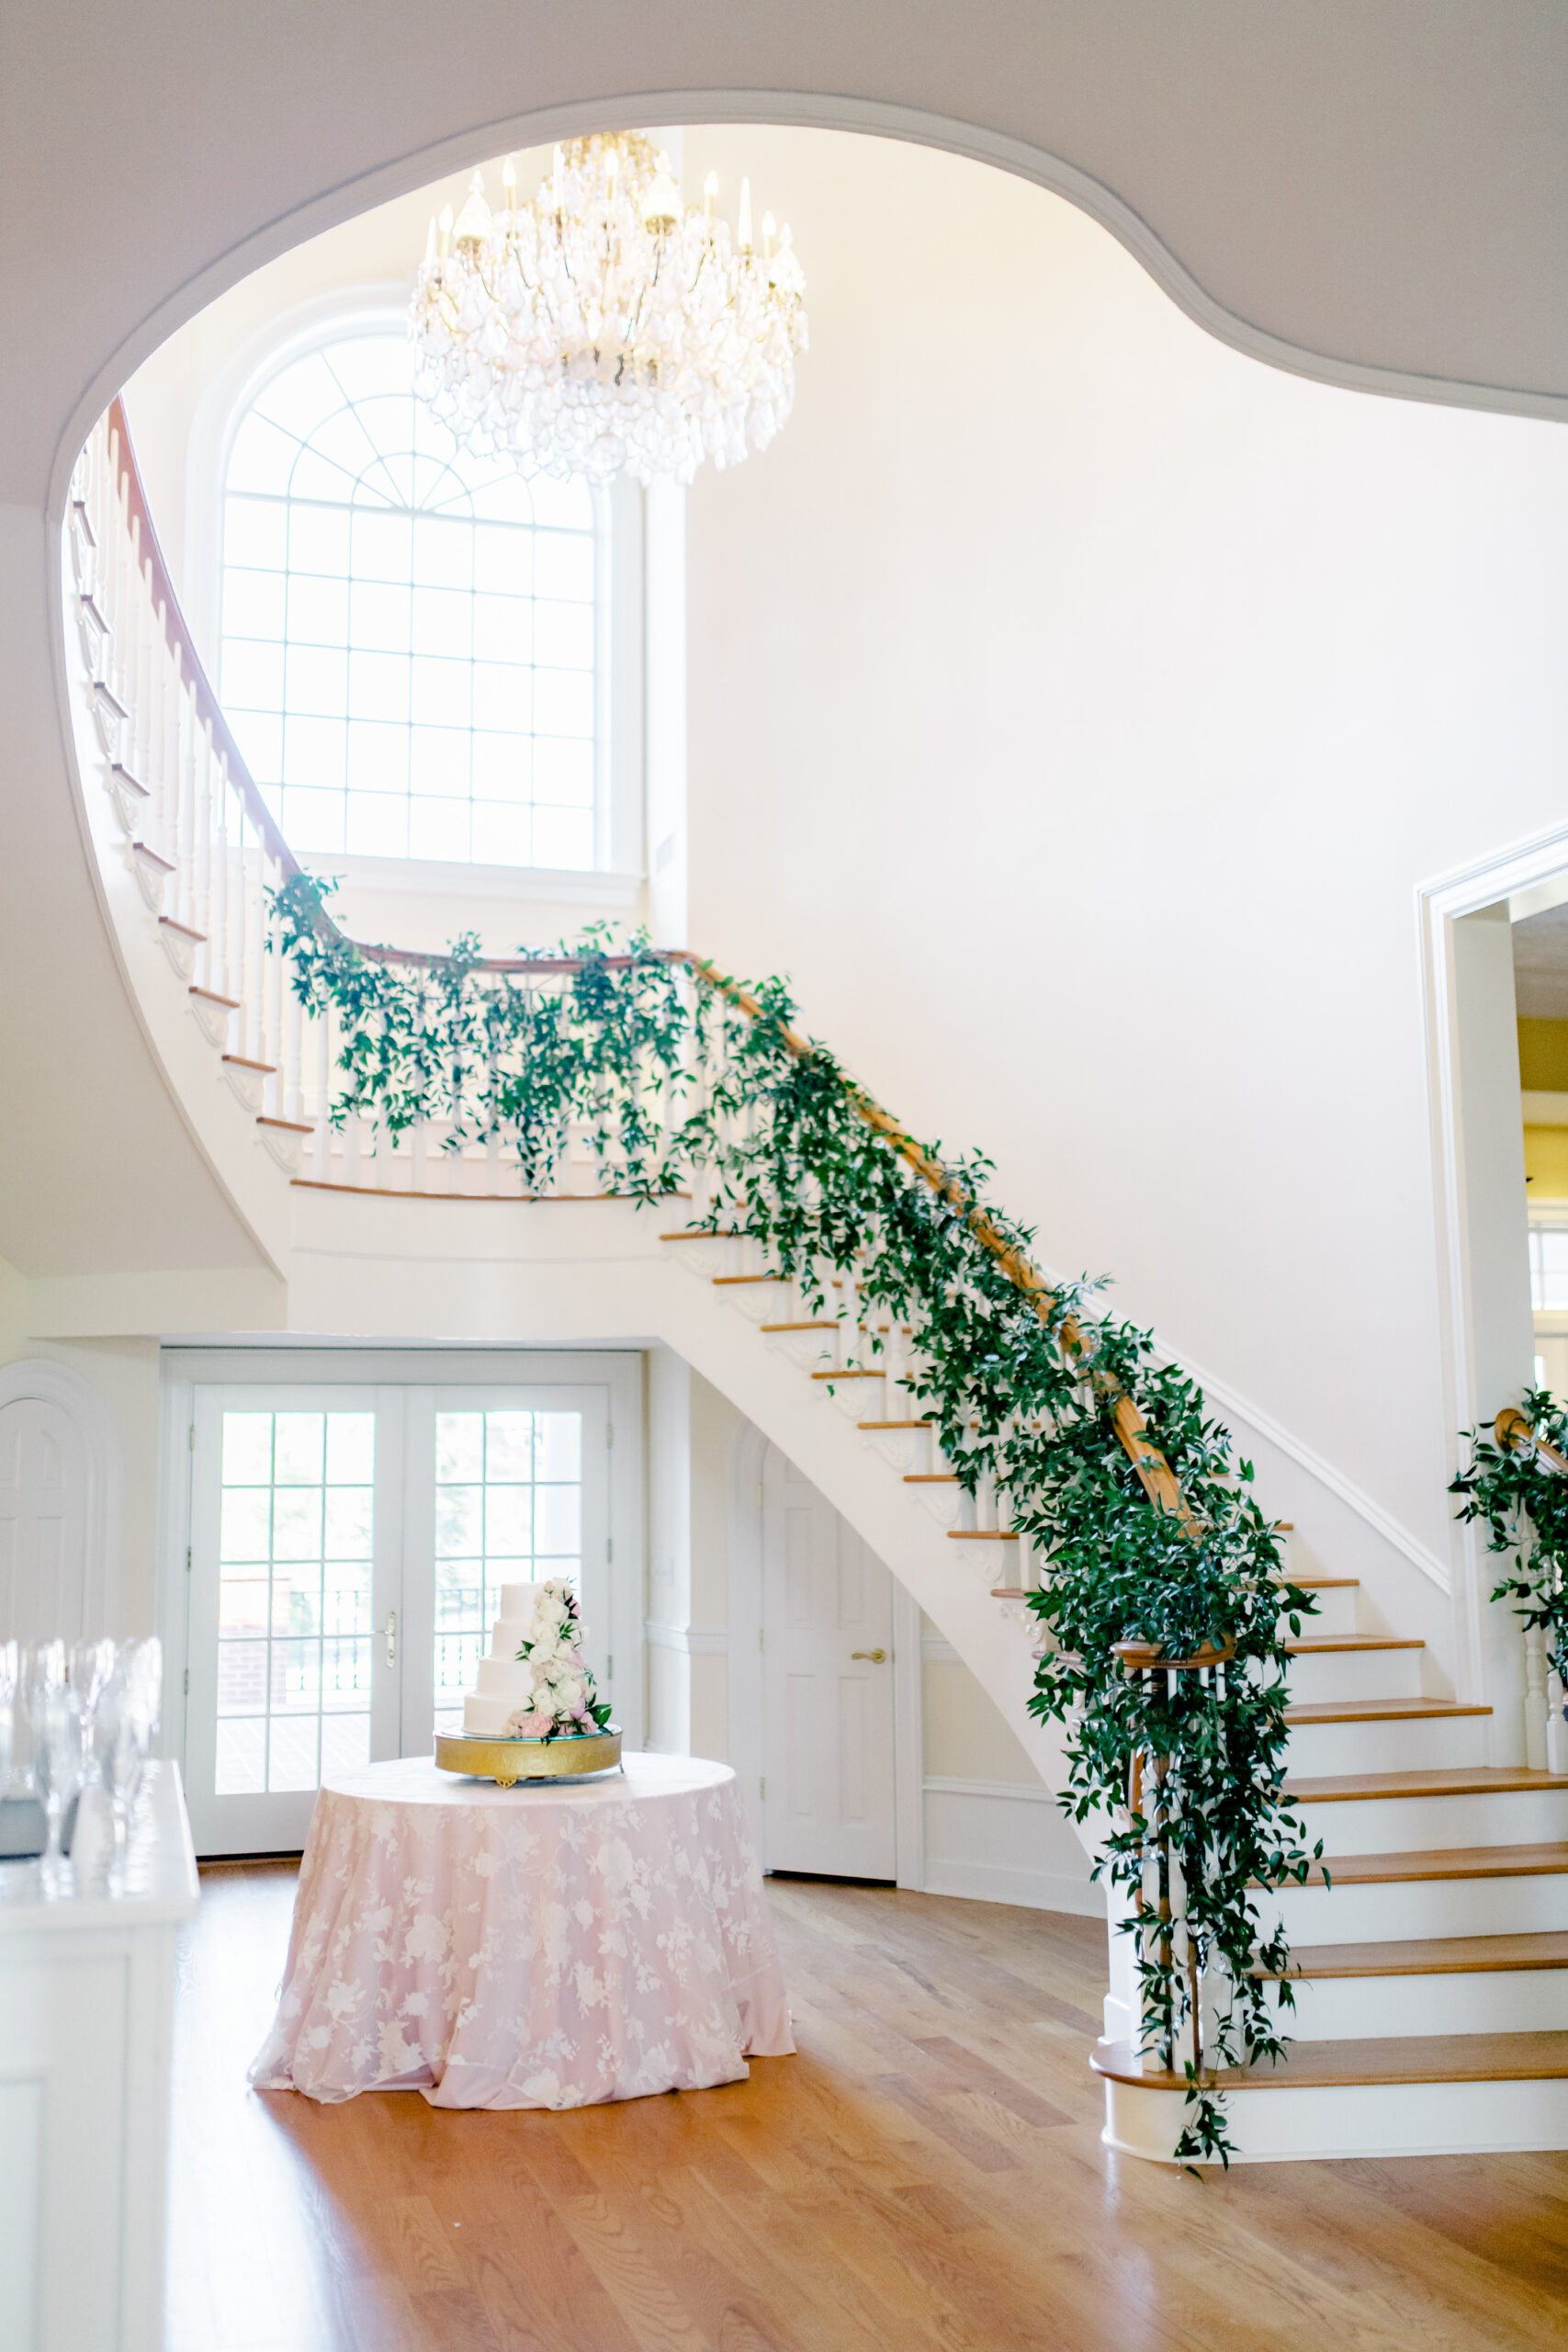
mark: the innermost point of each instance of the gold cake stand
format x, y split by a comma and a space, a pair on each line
507, 1761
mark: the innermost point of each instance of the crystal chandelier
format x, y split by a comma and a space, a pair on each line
604, 328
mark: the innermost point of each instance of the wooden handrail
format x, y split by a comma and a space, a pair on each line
1157, 1478
1515, 1432
177, 638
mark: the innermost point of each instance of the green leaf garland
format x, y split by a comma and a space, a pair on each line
672, 1082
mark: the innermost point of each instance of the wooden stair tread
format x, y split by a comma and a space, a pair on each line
1441, 1863
931, 1478
725, 1281
1443, 1781
211, 996
1320, 1584
167, 922
1394, 2058
244, 1061
854, 1373
894, 1425
982, 1534
726, 1232
798, 1326
1324, 1645
1431, 1956
294, 1127
1380, 1710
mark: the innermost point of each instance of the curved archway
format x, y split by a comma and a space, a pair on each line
840, 110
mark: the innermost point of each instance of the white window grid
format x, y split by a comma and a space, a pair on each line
1549, 1269
413, 639
508, 1511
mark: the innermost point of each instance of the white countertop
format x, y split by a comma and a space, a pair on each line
163, 1887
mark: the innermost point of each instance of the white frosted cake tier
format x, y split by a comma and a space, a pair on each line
487, 1718
537, 1621
505, 1678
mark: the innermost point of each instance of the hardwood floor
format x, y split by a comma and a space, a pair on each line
926, 2173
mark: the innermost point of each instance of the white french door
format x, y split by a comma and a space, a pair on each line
295, 1600
506, 1485
347, 1545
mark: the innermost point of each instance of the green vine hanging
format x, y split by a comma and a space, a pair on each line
1521, 1498
672, 1082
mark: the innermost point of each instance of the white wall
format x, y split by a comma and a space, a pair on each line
1075, 706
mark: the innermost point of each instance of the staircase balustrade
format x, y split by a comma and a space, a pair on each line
241, 927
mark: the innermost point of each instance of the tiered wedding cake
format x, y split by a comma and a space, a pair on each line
535, 1684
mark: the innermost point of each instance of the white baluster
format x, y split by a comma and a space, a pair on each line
201, 801
321, 1023
1535, 1699
291, 1069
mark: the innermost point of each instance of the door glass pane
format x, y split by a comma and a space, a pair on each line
294, 1652
508, 1511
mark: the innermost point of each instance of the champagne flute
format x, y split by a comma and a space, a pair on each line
118, 1760
10, 1669
55, 1721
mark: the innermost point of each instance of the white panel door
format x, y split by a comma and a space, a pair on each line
42, 1524
827, 1687
296, 1603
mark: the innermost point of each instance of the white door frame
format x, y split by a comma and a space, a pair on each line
343, 1363
747, 1726
1489, 1647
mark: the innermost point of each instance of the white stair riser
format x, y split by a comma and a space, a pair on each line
762, 1302
1355, 1674
1342, 2008
1414, 1745
1413, 1908
1408, 1824
902, 1449
863, 1400
1335, 1612
1374, 2120
813, 1351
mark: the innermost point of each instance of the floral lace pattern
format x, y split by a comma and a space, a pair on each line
549, 1945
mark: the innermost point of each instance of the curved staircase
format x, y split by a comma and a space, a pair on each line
1430, 1976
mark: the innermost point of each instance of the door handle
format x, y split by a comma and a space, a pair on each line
391, 1637
876, 1656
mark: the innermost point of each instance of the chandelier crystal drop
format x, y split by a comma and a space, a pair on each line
606, 328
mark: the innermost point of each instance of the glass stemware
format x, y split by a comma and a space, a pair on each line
10, 1667
54, 1721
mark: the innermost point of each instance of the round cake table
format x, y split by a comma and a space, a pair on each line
548, 1945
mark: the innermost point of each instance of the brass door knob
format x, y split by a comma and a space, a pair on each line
876, 1656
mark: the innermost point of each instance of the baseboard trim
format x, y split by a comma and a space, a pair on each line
1027, 1890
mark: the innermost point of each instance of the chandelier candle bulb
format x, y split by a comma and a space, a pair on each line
604, 328
768, 235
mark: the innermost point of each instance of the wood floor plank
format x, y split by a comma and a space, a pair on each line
925, 2174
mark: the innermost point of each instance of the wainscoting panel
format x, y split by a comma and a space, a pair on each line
1004, 1841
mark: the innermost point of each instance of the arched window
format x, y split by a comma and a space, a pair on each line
413, 639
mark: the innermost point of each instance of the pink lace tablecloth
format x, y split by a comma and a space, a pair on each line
549, 1945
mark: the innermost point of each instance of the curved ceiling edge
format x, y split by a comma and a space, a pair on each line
814, 111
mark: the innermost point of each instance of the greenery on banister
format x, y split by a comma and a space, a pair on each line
672, 1081
1521, 1498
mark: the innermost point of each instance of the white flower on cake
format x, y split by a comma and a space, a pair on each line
535, 1684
